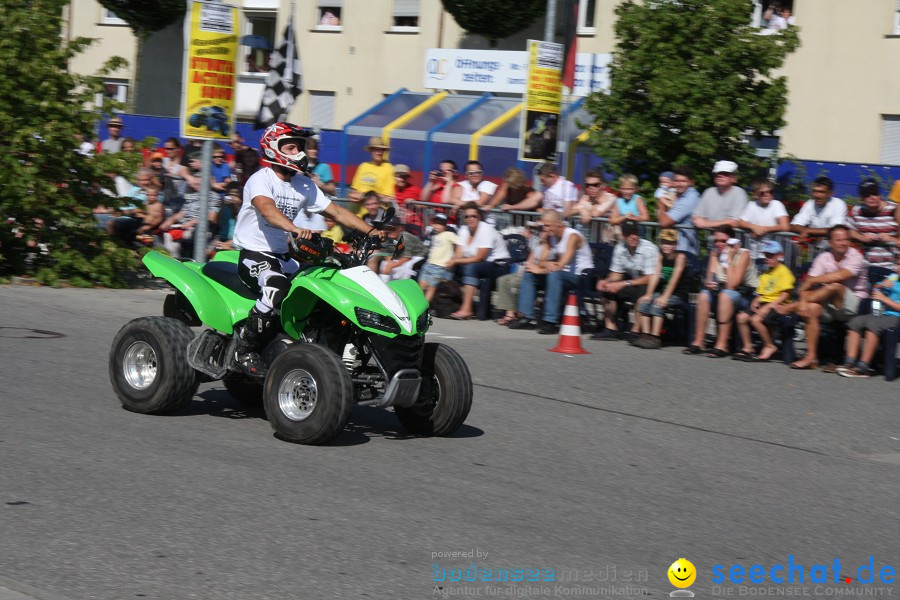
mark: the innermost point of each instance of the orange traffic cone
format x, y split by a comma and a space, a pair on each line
570, 330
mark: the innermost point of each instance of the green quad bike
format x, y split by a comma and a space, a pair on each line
346, 338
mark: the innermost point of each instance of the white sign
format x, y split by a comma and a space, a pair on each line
505, 71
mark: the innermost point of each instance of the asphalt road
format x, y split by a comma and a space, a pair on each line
604, 468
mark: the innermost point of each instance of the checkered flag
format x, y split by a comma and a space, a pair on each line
282, 82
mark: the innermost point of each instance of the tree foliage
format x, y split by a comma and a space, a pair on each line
47, 189
495, 19
145, 17
690, 80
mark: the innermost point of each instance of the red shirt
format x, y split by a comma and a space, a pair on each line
410, 192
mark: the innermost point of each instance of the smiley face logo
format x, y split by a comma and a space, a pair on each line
682, 573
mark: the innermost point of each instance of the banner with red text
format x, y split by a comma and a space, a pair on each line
212, 34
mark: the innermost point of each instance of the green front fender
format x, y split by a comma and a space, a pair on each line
216, 306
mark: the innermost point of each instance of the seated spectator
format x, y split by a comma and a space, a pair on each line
730, 281
178, 230
820, 213
835, 285
478, 248
333, 231
376, 176
219, 172
404, 189
319, 172
508, 286
629, 205
372, 207
244, 160
155, 164
764, 215
888, 293
443, 245
686, 198
574, 257
231, 205
559, 193
776, 283
401, 267
441, 184
513, 190
634, 263
668, 288
141, 222
475, 188
873, 223
129, 144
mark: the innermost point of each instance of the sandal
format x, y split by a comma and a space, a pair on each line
716, 353
461, 317
692, 349
812, 365
506, 320
744, 356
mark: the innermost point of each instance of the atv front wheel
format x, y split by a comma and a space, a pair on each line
445, 397
308, 394
148, 366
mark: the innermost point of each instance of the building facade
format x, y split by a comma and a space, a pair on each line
843, 103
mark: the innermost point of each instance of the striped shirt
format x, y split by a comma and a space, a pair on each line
880, 222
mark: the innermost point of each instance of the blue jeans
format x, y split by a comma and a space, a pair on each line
652, 310
555, 284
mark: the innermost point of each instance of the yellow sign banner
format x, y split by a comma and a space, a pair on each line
543, 102
212, 35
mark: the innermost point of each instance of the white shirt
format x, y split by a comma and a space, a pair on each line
833, 213
311, 221
558, 195
474, 193
252, 232
584, 257
765, 216
485, 237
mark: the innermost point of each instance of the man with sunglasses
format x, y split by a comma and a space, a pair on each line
475, 188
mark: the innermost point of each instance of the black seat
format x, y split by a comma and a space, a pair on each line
226, 274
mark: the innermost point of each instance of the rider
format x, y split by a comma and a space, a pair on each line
273, 199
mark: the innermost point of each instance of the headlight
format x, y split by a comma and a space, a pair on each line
373, 320
423, 322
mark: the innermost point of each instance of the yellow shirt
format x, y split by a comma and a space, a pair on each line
443, 245
774, 282
370, 176
335, 234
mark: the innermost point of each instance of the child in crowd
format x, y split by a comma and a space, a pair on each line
629, 206
668, 288
888, 294
334, 232
775, 285
665, 193
443, 245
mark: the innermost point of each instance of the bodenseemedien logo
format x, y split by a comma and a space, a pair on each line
682, 574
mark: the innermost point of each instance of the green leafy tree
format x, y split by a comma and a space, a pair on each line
144, 18
690, 81
48, 189
495, 19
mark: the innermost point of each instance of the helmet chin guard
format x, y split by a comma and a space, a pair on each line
275, 136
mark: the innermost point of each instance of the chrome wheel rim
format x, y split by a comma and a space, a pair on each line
140, 365
297, 395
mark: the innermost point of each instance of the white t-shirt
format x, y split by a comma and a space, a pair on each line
485, 237
252, 232
310, 220
559, 194
765, 216
833, 213
470, 193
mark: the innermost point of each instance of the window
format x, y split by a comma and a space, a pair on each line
258, 40
405, 16
586, 10
321, 110
108, 17
113, 89
896, 29
890, 139
328, 15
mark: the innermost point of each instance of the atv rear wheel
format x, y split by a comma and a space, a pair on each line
148, 366
445, 397
308, 394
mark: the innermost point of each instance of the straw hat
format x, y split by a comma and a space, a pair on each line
376, 143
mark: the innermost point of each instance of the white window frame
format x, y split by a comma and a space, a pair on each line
321, 4
108, 17
405, 28
247, 29
583, 28
896, 29
121, 93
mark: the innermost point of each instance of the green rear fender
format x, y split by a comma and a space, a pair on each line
216, 306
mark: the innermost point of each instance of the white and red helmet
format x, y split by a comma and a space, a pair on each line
275, 136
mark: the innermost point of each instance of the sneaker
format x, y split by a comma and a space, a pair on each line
832, 368
608, 335
251, 364
523, 323
859, 372
548, 328
649, 342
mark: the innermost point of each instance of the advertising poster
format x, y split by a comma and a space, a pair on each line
211, 49
543, 102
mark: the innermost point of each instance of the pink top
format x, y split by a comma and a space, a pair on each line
853, 262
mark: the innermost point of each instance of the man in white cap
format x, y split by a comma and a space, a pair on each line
723, 203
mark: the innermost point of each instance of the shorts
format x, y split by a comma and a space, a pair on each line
653, 310
740, 301
877, 325
772, 318
433, 274
629, 293
849, 310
